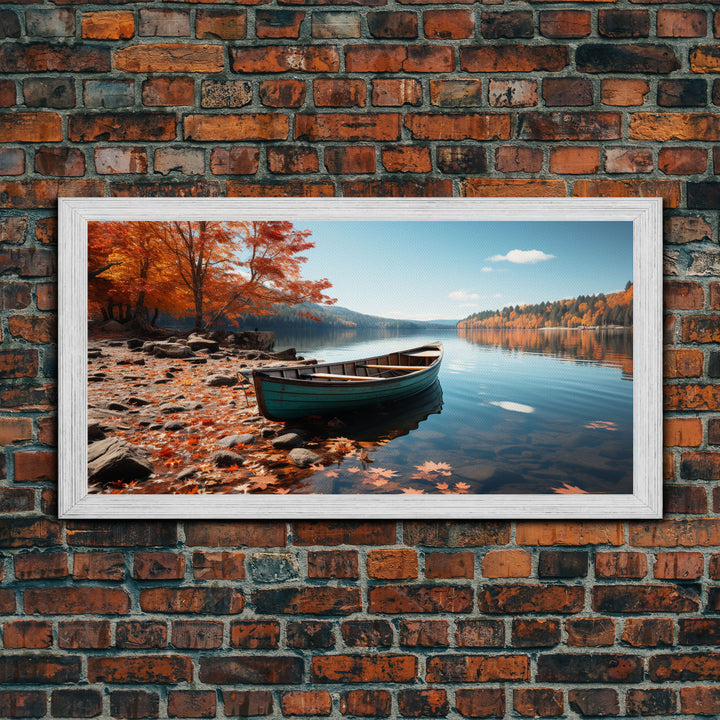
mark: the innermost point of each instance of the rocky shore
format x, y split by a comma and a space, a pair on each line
177, 415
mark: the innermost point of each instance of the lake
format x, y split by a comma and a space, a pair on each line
516, 411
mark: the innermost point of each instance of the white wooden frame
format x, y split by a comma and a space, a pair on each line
645, 502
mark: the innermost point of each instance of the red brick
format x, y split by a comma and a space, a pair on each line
15, 430
480, 633
307, 601
685, 499
368, 633
46, 233
218, 600
595, 701
700, 700
515, 24
255, 669
561, 24
191, 703
687, 229
344, 533
590, 632
513, 599
660, 701
76, 703
246, 127
628, 160
418, 599
684, 666
538, 702
225, 565
39, 669
237, 160
683, 432
108, 25
30, 127
35, 466
7, 93
506, 563
574, 160
197, 634
312, 702
134, 634
168, 669
27, 634
282, 93
309, 634
569, 533
614, 23
436, 126
624, 93
366, 703
670, 533
461, 159
513, 58
84, 634
423, 703
76, 600
168, 57
33, 328
223, 24
477, 668
530, 633
673, 126
16, 500
99, 566
120, 160
518, 159
398, 58
402, 187
480, 702
513, 187
457, 93
158, 566
512, 93
681, 23
292, 188
448, 24
691, 397
406, 158
47, 57
278, 23
12, 161
253, 635
648, 632
698, 631
581, 126
28, 532
168, 91
450, 565
424, 633
589, 668
445, 533
667, 189
14, 295
121, 127
682, 160
575, 92
392, 24
284, 58
89, 533
135, 704
248, 702
395, 92
700, 465
331, 92
363, 668
644, 598
350, 159
678, 565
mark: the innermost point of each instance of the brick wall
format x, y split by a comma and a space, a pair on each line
365, 97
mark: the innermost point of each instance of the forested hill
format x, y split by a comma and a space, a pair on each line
302, 316
600, 310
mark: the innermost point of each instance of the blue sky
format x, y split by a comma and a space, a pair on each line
433, 270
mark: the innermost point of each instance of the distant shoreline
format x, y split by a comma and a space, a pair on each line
553, 327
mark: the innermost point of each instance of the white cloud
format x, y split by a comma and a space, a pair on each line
463, 296
486, 269
523, 257
513, 406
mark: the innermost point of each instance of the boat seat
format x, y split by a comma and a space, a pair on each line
407, 368
333, 376
423, 353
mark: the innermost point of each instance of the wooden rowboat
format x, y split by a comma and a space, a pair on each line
288, 392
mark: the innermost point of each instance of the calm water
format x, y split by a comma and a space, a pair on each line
517, 411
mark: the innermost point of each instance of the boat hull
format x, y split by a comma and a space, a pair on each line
282, 398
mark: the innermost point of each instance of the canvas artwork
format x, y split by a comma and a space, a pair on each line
367, 357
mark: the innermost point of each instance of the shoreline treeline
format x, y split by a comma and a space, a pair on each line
611, 310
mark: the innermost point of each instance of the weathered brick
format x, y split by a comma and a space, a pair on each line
366, 703
397, 58
9, 24
705, 58
589, 668
30, 127
628, 160
574, 160
669, 190
60, 162
121, 127
108, 93
589, 632
197, 634
480, 633
685, 499
477, 668
423, 703
76, 702
168, 57
684, 666
653, 701
399, 24
673, 126
553, 563
99, 566
14, 295
278, 23
518, 159
561, 24
134, 704
225, 93
27, 634
253, 635
236, 160
363, 668
261, 670
58, 22
311, 702
120, 160
108, 25
461, 159
219, 600
88, 533
506, 563
515, 599
609, 58
350, 160
681, 23
513, 58
456, 93
513, 187
188, 161
514, 24
480, 702
648, 632
682, 93
133, 634
392, 564
623, 93
395, 92
39, 669
419, 599
256, 126
682, 432
90, 634
336, 25
139, 669
307, 601
163, 22
573, 92
283, 58
282, 93
309, 634
569, 533
448, 24
46, 57
35, 466
686, 229
529, 633
623, 23
644, 598
168, 91
443, 533
511, 93
599, 702
76, 601
221, 24
538, 702
367, 633
224, 565
16, 500
12, 161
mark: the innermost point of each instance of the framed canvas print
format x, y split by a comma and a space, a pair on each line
360, 358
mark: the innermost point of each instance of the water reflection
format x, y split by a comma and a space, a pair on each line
609, 347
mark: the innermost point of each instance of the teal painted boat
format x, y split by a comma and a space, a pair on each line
290, 392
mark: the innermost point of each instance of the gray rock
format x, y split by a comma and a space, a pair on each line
287, 441
113, 326
133, 343
114, 459
186, 473
232, 440
96, 431
137, 401
254, 340
226, 458
172, 350
148, 347
221, 380
196, 342
175, 425
168, 408
117, 407
94, 353
302, 457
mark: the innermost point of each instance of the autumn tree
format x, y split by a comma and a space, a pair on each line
207, 270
